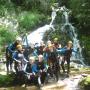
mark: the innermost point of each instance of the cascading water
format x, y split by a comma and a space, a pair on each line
70, 30
37, 35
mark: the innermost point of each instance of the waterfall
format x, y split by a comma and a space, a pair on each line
71, 31
53, 15
37, 35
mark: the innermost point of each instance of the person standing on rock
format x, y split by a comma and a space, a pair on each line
19, 59
9, 51
67, 56
66, 52
41, 67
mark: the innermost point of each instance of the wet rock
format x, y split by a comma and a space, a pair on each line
84, 84
32, 88
55, 86
21, 88
3, 72
84, 75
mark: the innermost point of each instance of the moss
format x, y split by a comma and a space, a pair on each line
85, 68
85, 83
29, 20
6, 80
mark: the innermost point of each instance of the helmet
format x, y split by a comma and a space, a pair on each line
48, 42
19, 46
18, 39
32, 58
50, 45
36, 45
55, 39
40, 56
70, 42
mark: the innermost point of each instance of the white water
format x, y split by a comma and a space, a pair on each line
70, 83
71, 31
37, 35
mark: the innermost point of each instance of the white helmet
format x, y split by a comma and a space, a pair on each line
18, 39
49, 42
70, 42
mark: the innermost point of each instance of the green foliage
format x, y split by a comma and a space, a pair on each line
29, 20
6, 36
62, 37
86, 50
6, 7
6, 80
85, 83
81, 11
86, 42
39, 5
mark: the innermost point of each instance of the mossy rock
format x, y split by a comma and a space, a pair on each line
85, 83
6, 80
85, 68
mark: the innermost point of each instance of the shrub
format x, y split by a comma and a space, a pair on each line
29, 20
85, 83
6, 36
6, 80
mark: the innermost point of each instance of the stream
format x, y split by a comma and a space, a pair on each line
70, 83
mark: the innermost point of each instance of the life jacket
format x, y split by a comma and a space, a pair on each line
53, 57
15, 55
40, 50
40, 65
34, 68
28, 68
68, 52
56, 44
12, 47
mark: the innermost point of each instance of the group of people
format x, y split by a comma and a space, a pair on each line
44, 60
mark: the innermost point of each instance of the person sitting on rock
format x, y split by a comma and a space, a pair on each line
31, 71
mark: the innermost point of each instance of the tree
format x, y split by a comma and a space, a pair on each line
6, 36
